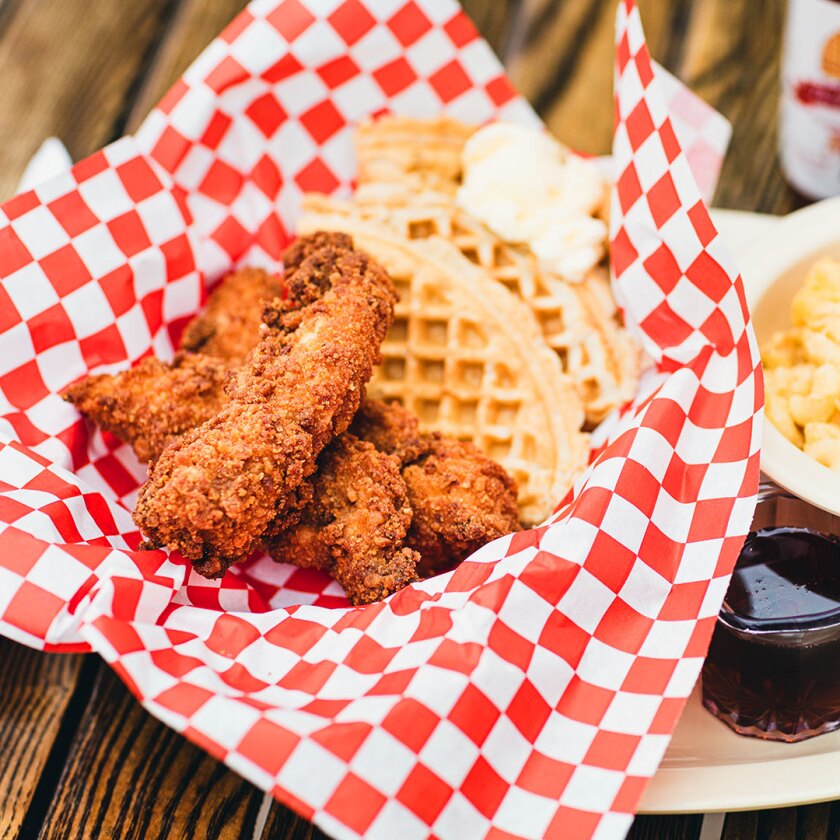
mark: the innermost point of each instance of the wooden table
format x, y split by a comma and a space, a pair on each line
80, 757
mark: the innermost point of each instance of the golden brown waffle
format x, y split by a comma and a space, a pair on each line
578, 320
420, 154
467, 357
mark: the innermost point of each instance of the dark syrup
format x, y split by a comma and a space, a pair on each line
773, 668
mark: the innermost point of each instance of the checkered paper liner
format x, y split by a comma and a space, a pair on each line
532, 691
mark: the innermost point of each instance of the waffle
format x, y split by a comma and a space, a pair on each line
419, 154
578, 320
467, 357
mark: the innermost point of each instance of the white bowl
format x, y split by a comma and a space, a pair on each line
774, 268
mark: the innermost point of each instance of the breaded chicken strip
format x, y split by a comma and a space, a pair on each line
153, 403
356, 523
461, 500
391, 429
228, 328
213, 492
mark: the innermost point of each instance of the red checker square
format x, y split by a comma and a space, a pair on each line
352, 21
16, 207
474, 714
90, 166
409, 24
395, 76
490, 595
709, 409
563, 637
500, 91
139, 179
71, 212
484, 787
33, 609
665, 719
129, 234
316, 177
698, 644
394, 683
528, 711
369, 657
287, 66
104, 347
627, 799
291, 19
14, 255
268, 745
450, 81
240, 678
663, 200
307, 580
222, 182
232, 237
643, 66
120, 634
325, 709
338, 71
623, 628
545, 776
119, 479
572, 824
9, 316
648, 676
592, 503
611, 750
529, 538
237, 26
267, 177
639, 125
460, 29
610, 561
308, 677
355, 803
622, 52
295, 634
267, 114
661, 553
638, 485
342, 739
359, 619
682, 480
10, 511
322, 121
19, 551
549, 575
670, 144
716, 329
684, 601
663, 269
707, 274
62, 520
272, 236
25, 430
709, 519
226, 74
23, 386
175, 664
665, 327
179, 257
170, 149
455, 656
231, 635
65, 270
216, 130
622, 253
173, 96
152, 305
629, 187
411, 723
50, 327
510, 646
424, 793
584, 702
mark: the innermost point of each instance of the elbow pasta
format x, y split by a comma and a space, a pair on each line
802, 368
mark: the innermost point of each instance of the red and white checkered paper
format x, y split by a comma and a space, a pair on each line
529, 693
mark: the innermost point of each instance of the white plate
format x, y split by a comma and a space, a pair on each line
707, 766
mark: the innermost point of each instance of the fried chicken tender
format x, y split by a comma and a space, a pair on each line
213, 492
229, 326
461, 500
355, 526
391, 429
153, 403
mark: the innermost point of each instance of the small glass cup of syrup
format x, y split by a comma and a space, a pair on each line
773, 669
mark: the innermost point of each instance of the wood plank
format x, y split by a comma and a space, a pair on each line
67, 68
129, 776
283, 824
36, 692
677, 827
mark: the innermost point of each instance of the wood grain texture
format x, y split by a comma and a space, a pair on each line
128, 776
679, 827
36, 690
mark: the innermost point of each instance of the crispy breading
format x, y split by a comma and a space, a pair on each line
461, 500
153, 403
213, 492
356, 523
390, 428
228, 328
